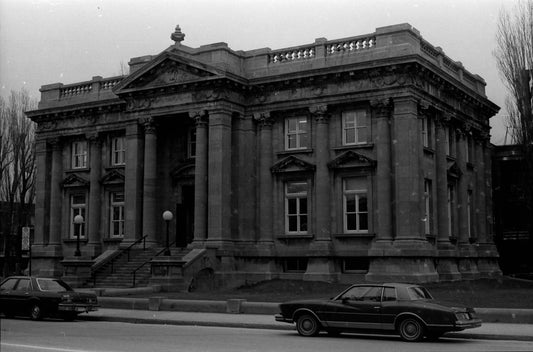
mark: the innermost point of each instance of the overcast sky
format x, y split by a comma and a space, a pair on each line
68, 41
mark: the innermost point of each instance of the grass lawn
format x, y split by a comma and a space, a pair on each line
502, 293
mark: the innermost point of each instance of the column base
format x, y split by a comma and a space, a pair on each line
402, 269
448, 270
320, 269
77, 270
46, 260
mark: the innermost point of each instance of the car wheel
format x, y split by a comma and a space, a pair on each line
36, 312
411, 329
307, 325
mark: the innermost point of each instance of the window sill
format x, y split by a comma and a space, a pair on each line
81, 169
354, 235
74, 240
113, 239
115, 167
355, 146
429, 151
295, 151
450, 158
295, 237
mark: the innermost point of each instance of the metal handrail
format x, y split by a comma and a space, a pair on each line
112, 261
134, 272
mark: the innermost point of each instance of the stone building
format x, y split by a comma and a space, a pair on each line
362, 158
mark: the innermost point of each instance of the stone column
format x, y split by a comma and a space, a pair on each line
200, 177
408, 184
382, 141
481, 210
133, 184
41, 206
488, 192
265, 177
56, 192
322, 181
150, 216
94, 233
219, 179
462, 188
441, 167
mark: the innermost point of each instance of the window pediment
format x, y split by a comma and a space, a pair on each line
292, 164
454, 171
183, 171
113, 177
166, 69
351, 159
74, 180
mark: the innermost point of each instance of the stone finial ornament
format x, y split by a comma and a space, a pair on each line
177, 36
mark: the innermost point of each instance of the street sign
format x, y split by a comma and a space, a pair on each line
26, 238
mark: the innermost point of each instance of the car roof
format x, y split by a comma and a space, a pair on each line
389, 284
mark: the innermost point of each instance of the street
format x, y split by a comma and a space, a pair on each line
22, 335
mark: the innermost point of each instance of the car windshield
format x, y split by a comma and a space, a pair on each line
53, 285
418, 293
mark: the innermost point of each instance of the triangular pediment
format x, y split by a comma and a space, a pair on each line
292, 164
351, 159
74, 180
113, 177
454, 171
166, 69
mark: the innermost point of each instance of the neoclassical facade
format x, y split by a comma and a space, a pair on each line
363, 158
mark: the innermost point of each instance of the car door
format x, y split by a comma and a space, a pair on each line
358, 308
20, 295
390, 308
7, 300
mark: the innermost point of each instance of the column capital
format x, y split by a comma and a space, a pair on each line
382, 107
320, 112
149, 125
55, 143
199, 117
93, 137
263, 118
443, 119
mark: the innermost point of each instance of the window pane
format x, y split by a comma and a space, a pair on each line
363, 221
303, 205
361, 135
350, 203
363, 204
291, 141
303, 223
78, 199
293, 223
303, 140
350, 136
351, 224
361, 119
291, 206
296, 187
291, 125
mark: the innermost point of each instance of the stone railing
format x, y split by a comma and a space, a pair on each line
78, 89
351, 45
95, 85
290, 55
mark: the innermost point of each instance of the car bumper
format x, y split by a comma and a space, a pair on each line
282, 319
78, 308
467, 324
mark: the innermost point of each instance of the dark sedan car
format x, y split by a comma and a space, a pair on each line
38, 297
408, 310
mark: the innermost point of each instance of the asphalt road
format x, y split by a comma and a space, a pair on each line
23, 335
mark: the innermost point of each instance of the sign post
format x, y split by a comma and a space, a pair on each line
26, 245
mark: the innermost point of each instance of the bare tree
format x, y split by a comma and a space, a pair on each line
514, 56
17, 158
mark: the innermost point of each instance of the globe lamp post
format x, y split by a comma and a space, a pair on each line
78, 221
167, 216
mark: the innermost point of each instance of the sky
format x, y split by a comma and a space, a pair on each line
68, 41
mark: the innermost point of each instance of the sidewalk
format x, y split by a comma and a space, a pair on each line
488, 331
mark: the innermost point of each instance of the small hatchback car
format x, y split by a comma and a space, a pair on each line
38, 297
408, 310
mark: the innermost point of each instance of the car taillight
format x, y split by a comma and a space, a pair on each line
66, 298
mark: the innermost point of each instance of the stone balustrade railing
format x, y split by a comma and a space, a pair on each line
289, 55
97, 84
350, 45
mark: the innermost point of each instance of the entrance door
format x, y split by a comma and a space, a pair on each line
185, 217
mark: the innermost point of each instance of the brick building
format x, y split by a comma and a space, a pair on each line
359, 158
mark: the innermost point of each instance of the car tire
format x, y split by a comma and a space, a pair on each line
411, 329
36, 312
307, 325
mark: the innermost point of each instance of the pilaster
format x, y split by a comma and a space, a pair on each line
56, 192
94, 231
41, 193
200, 177
150, 215
133, 183
443, 221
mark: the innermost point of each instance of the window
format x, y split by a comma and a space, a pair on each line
23, 285
447, 145
9, 284
356, 264
363, 293
451, 208
426, 132
295, 265
77, 207
117, 214
428, 198
79, 155
296, 133
355, 205
467, 149
191, 142
389, 294
118, 151
296, 207
470, 214
354, 126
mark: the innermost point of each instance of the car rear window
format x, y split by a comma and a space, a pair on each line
52, 285
417, 293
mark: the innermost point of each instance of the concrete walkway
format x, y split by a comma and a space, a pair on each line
491, 331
